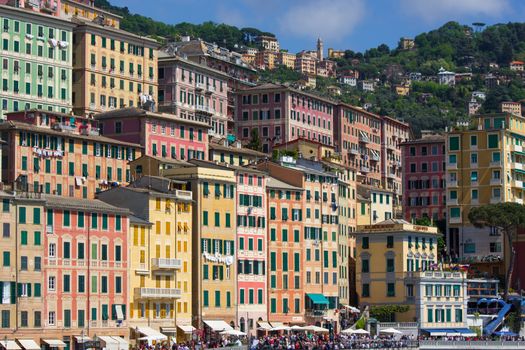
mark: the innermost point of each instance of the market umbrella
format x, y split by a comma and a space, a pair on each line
390, 331
355, 331
281, 328
233, 332
316, 329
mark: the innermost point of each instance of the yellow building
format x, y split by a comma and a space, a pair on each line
285, 59
214, 235
160, 282
484, 165
363, 210
70, 8
376, 204
112, 69
388, 254
224, 152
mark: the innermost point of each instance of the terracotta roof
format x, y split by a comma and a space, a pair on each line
133, 112
96, 205
273, 86
166, 160
15, 125
165, 57
242, 150
426, 139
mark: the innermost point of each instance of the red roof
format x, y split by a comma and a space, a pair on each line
517, 62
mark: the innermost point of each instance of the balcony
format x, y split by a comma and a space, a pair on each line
452, 183
199, 86
315, 313
161, 293
353, 151
519, 200
164, 263
364, 169
452, 166
517, 184
67, 127
516, 166
495, 164
451, 201
184, 195
452, 220
374, 158
49, 229
516, 148
391, 175
495, 200
210, 88
364, 139
201, 108
495, 182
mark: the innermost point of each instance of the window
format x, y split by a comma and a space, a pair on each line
365, 242
454, 143
493, 141
365, 292
391, 290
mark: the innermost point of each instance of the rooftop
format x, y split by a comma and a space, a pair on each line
272, 182
215, 145
134, 112
61, 202
395, 226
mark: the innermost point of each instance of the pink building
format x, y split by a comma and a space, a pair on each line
357, 136
393, 133
424, 177
191, 90
162, 135
50, 7
281, 114
252, 243
85, 268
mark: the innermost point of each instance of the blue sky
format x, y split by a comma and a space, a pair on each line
343, 24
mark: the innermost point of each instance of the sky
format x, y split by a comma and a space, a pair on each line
342, 24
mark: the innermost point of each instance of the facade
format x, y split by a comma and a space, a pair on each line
112, 69
327, 67
511, 107
221, 151
516, 66
285, 59
85, 269
320, 268
358, 137
214, 282
393, 133
85, 9
424, 189
306, 65
389, 254
23, 229
194, 91
162, 135
252, 247
446, 78
285, 298
483, 166
266, 42
36, 61
335, 53
377, 204
265, 60
281, 114
160, 285
61, 154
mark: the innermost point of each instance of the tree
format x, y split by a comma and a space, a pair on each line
255, 141
507, 217
386, 313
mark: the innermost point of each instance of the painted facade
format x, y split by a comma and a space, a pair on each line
36, 61
60, 154
280, 114
112, 69
84, 9
424, 178
162, 135
222, 151
194, 91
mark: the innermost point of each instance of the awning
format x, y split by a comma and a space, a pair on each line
10, 345
168, 330
466, 332
29, 344
187, 329
318, 299
123, 344
82, 339
54, 343
111, 344
277, 324
265, 326
118, 310
441, 332
218, 325
151, 334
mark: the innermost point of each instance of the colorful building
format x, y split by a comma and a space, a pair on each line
357, 136
62, 154
393, 133
424, 177
194, 91
266, 60
162, 135
285, 59
226, 152
85, 270
484, 165
286, 299
376, 205
160, 282
320, 266
36, 61
113, 69
252, 247
86, 10
214, 282
281, 114
389, 255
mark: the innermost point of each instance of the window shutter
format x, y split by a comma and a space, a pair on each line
29, 289
221, 272
19, 287
113, 311
13, 292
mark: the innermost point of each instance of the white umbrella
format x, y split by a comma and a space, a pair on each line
297, 328
233, 332
353, 309
316, 329
355, 331
390, 331
281, 328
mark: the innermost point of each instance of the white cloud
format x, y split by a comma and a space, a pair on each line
438, 10
330, 19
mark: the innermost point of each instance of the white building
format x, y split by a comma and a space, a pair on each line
348, 80
367, 85
445, 77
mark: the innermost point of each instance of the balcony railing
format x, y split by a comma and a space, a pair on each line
452, 201
365, 169
158, 292
454, 220
164, 263
452, 166
353, 151
517, 166
364, 139
316, 313
452, 183
184, 195
496, 163
495, 182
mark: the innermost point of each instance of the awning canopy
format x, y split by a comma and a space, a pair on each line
277, 324
82, 339
29, 344
168, 330
318, 299
442, 332
111, 344
187, 329
10, 345
123, 344
54, 343
263, 325
218, 325
151, 334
